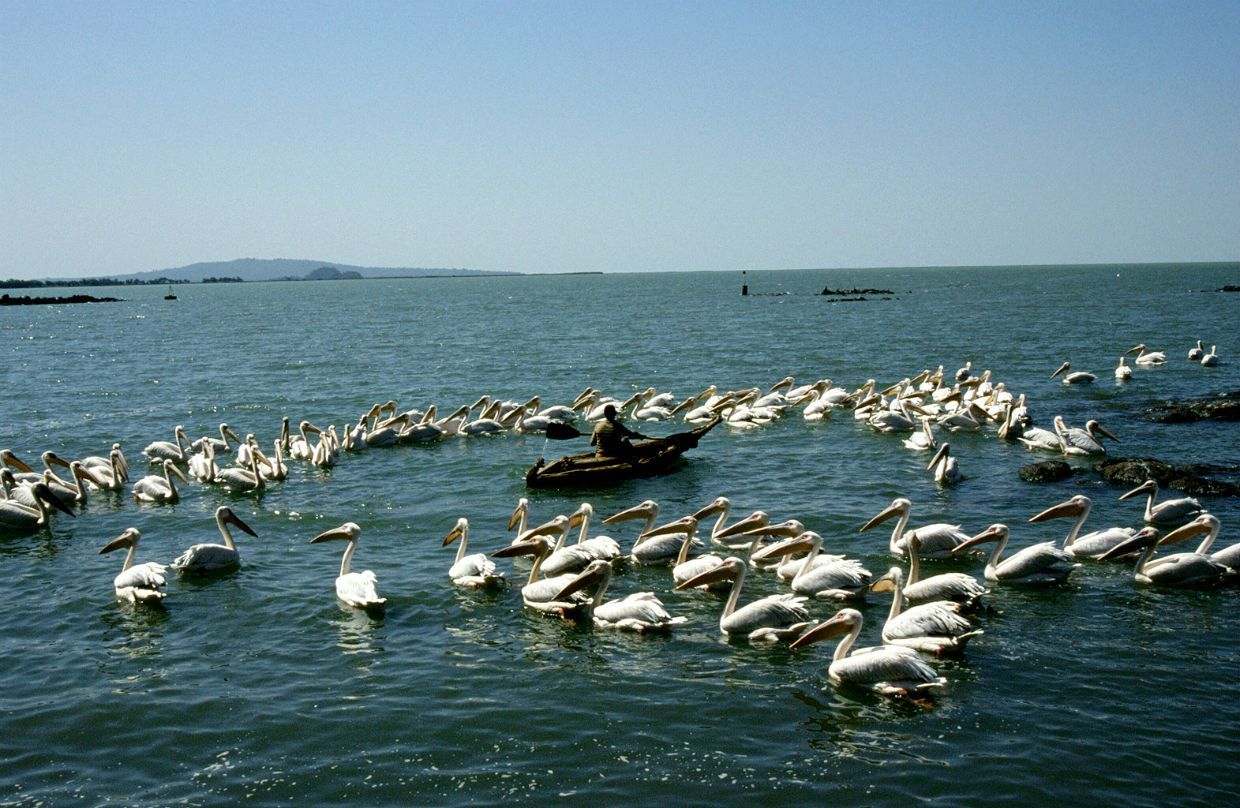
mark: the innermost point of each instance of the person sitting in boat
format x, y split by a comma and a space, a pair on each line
611, 438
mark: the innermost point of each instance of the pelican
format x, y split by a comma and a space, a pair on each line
1179, 569
15, 516
889, 670
136, 583
935, 627
921, 441
110, 476
1146, 358
385, 434
964, 419
1035, 437
154, 488
538, 593
1195, 354
963, 373
14, 462
520, 515
946, 469
841, 579
1211, 359
299, 446
786, 566
640, 611
1169, 513
357, 589
1078, 377
576, 557
1209, 524
938, 540
1042, 563
242, 481
684, 568
1091, 545
954, 586
77, 489
272, 468
893, 420
220, 444
652, 546
474, 571
168, 450
729, 536
1122, 372
1087, 441
212, 557
775, 618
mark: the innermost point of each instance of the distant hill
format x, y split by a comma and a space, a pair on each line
273, 269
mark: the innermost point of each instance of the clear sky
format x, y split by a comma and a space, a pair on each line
626, 136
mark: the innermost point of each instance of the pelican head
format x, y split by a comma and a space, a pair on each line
753, 521
1064, 368
596, 574
803, 542
522, 509
1095, 429
783, 384
731, 569
685, 524
996, 532
1144, 538
944, 451
891, 581
1069, 509
534, 546
47, 495
169, 468
584, 511
647, 509
844, 621
1202, 524
1138, 348
50, 458
349, 531
224, 514
898, 507
719, 505
458, 531
1147, 487
123, 542
13, 461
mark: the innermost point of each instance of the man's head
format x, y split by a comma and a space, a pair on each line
609, 412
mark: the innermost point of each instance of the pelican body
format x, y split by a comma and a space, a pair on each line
935, 627
1074, 377
154, 488
540, 594
1092, 545
136, 583
357, 589
640, 611
1038, 564
201, 558
1169, 513
474, 571
775, 618
938, 540
889, 670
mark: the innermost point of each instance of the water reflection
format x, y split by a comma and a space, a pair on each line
357, 629
135, 634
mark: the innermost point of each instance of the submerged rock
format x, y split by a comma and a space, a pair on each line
1223, 407
1196, 479
1048, 471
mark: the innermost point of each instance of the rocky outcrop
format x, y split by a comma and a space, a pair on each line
1049, 471
1195, 479
1223, 407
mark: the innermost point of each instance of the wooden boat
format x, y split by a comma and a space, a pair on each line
648, 458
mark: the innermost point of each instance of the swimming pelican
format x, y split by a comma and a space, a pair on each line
114, 464
212, 557
474, 571
1085, 441
684, 568
575, 557
220, 444
154, 488
652, 546
1211, 359
241, 481
840, 579
640, 611
1042, 563
136, 583
775, 618
954, 586
168, 450
1078, 377
923, 440
938, 540
724, 535
1209, 524
299, 446
1035, 437
540, 593
946, 469
1146, 358
1195, 354
1179, 569
963, 373
1122, 372
935, 627
357, 589
520, 516
272, 468
15, 516
889, 670
896, 419
1091, 545
1171, 513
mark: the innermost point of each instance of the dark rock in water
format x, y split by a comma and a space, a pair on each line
1049, 471
1224, 407
1195, 479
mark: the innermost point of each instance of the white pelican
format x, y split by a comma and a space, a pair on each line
1035, 437
272, 468
964, 419
136, 583
1195, 354
652, 546
540, 593
963, 373
1211, 359
385, 434
575, 557
1146, 358
946, 469
684, 568
77, 488
937, 540
775, 618
1122, 372
1042, 563
1170, 513
154, 488
1078, 377
725, 535
640, 611
299, 446
840, 579
357, 589
954, 586
896, 419
168, 450
1087, 441
15, 516
110, 476
1091, 545
474, 571
114, 463
889, 670
935, 627
921, 441
786, 566
1179, 569
241, 481
211, 557
220, 444
520, 515
1209, 524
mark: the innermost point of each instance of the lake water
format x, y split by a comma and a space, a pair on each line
259, 685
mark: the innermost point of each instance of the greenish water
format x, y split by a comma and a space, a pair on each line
259, 685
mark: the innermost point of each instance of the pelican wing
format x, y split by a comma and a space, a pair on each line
204, 557
477, 565
926, 620
838, 579
772, 612
1187, 569
142, 576
358, 589
888, 669
1038, 562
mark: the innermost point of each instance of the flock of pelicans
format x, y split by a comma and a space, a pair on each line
928, 615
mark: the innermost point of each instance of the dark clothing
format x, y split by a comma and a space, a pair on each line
611, 439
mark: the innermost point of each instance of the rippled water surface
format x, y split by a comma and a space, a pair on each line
260, 685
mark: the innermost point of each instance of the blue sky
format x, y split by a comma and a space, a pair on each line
554, 137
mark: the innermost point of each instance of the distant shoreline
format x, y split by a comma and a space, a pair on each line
7, 300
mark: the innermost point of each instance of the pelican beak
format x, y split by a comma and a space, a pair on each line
53, 459
683, 525
642, 511
939, 455
798, 544
531, 547
894, 509
124, 541
1143, 539
823, 631
1140, 489
16, 462
721, 573
90, 475
883, 584
753, 521
1063, 510
228, 430
335, 534
1103, 430
554, 527
1061, 369
49, 496
453, 535
710, 510
590, 576
1184, 532
1135, 349
232, 518
989, 534
523, 506
577, 517
172, 467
